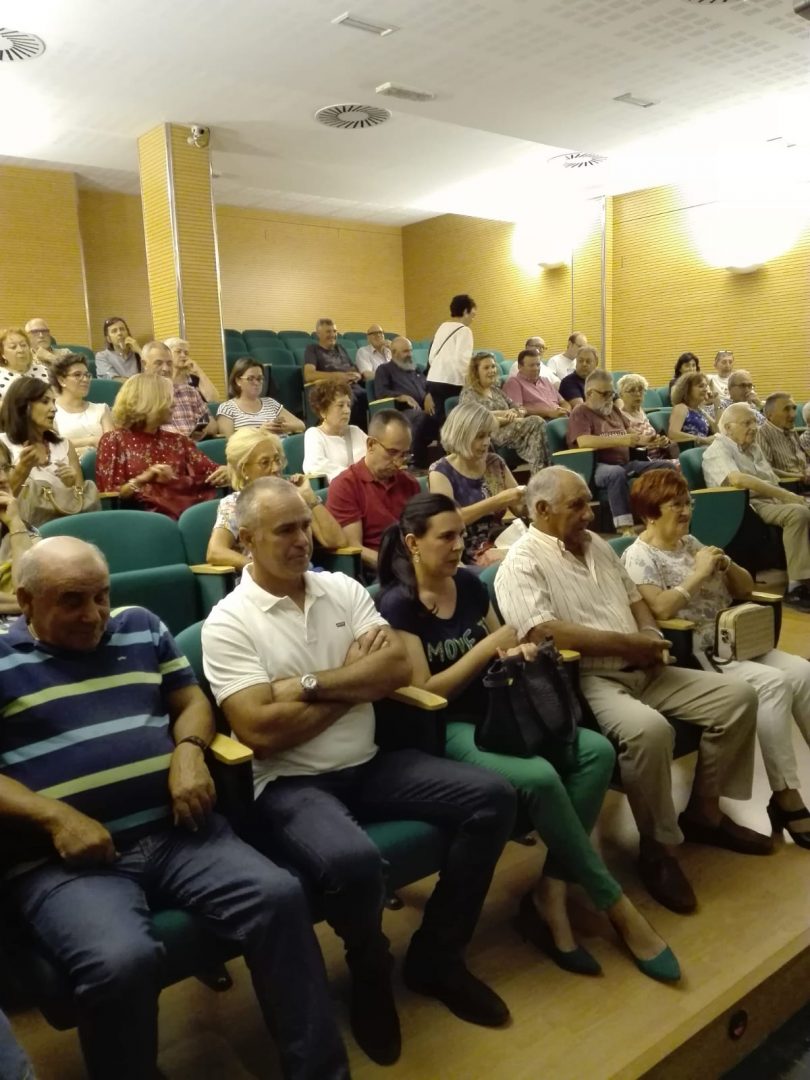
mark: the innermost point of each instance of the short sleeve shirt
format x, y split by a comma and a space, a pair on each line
724, 457
523, 392
355, 495
572, 386
267, 413
335, 359
584, 421
35, 371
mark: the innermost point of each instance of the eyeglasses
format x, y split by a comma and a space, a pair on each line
40, 330
603, 393
78, 375
393, 453
252, 378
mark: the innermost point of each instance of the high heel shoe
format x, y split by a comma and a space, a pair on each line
781, 819
664, 967
531, 927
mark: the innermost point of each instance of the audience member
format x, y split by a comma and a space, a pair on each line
452, 635
689, 420
16, 359
678, 577
736, 460
368, 496
246, 407
190, 413
563, 581
43, 349
685, 364
252, 453
158, 469
119, 815
741, 388
196, 377
334, 444
539, 346
14, 1063
572, 385
599, 425
15, 539
121, 356
564, 363
295, 659
530, 389
631, 389
450, 353
804, 438
400, 379
723, 364
326, 359
518, 431
81, 421
477, 479
376, 352
779, 441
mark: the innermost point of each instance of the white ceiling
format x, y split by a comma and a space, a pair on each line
516, 81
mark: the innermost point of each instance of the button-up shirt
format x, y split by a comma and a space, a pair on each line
783, 450
111, 365
368, 359
540, 581
724, 456
527, 392
189, 410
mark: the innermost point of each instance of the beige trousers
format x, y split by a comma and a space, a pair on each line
794, 521
631, 708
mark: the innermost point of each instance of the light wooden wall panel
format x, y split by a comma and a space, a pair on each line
161, 265
41, 270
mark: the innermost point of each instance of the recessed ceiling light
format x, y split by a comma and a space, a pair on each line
352, 117
15, 45
631, 99
378, 29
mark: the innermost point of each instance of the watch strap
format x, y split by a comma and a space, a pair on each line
196, 740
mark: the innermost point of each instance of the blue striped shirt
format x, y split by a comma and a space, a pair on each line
93, 728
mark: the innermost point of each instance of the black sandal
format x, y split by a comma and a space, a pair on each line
780, 820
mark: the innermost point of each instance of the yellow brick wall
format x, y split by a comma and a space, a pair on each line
666, 300
161, 264
115, 261
41, 270
283, 272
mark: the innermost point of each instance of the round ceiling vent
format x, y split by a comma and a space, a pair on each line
352, 116
15, 45
575, 160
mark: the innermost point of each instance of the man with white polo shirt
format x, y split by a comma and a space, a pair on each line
562, 364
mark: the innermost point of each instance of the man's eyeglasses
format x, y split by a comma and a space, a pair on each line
40, 330
603, 393
393, 453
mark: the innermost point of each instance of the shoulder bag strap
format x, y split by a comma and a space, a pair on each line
452, 332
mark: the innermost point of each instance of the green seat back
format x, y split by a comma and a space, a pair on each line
103, 391
298, 348
87, 353
620, 543
214, 449
130, 539
660, 419
293, 446
260, 337
487, 577
195, 526
212, 407
289, 385
663, 393
171, 592
692, 467
356, 335
555, 434
420, 357
88, 463
350, 346
450, 403
272, 354
651, 400
616, 375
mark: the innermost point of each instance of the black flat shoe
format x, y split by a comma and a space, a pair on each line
531, 927
780, 820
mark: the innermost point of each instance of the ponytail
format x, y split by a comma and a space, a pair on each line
394, 560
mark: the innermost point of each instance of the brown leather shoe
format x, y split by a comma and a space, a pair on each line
726, 834
665, 881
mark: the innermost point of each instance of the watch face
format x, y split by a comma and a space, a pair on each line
309, 683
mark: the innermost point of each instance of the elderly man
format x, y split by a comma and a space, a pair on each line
181, 357
375, 353
110, 809
190, 414
369, 496
328, 360
531, 389
563, 581
295, 659
741, 389
562, 364
735, 459
539, 344
572, 386
599, 425
399, 378
451, 351
779, 441
42, 347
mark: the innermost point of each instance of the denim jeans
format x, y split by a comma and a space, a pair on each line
614, 479
313, 823
95, 924
14, 1065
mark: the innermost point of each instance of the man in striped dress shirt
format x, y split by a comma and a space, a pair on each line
108, 808
563, 581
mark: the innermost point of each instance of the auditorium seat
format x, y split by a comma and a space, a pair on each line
87, 353
103, 391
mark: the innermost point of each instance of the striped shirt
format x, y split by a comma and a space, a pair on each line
539, 581
269, 411
782, 449
93, 728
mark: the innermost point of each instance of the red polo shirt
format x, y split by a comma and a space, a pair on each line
354, 495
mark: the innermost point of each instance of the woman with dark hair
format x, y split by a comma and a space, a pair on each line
334, 444
685, 364
678, 577
81, 421
452, 634
15, 539
121, 357
246, 407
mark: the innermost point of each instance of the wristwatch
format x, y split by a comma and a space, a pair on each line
195, 740
309, 686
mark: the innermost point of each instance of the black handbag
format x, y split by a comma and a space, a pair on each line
530, 704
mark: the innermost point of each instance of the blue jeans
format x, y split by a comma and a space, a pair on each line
311, 823
95, 924
14, 1065
614, 479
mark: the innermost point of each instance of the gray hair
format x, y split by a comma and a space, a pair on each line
770, 401
30, 570
173, 342
250, 498
737, 375
380, 421
463, 425
806, 412
629, 382
150, 345
734, 412
323, 322
598, 376
546, 486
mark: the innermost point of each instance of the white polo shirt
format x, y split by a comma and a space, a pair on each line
253, 637
539, 581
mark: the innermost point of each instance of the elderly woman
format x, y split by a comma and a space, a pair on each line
82, 422
631, 390
15, 539
160, 470
678, 576
121, 356
434, 603
16, 359
477, 479
252, 453
689, 419
195, 376
524, 434
685, 364
247, 408
334, 444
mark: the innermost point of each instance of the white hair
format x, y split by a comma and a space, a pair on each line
733, 412
546, 486
629, 381
173, 342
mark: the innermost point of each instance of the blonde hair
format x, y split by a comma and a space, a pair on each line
142, 401
5, 333
473, 379
464, 424
241, 445
630, 382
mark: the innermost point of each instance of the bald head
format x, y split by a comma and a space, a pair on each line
401, 352
63, 589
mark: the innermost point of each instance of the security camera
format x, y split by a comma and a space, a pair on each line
200, 136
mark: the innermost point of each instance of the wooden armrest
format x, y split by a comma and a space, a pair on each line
575, 450
569, 655
790, 478
109, 495
420, 699
381, 400
714, 490
766, 597
344, 551
209, 568
230, 751
675, 624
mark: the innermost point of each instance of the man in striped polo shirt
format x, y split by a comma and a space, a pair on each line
108, 805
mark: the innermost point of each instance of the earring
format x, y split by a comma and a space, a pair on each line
417, 558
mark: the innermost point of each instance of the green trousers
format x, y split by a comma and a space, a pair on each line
562, 794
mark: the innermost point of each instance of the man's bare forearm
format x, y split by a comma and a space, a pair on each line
368, 679
282, 726
581, 639
18, 803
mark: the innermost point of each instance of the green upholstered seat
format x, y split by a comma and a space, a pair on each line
103, 391
288, 384
86, 352
651, 400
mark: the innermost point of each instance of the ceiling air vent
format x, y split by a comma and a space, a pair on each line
15, 45
352, 116
575, 160
407, 93
354, 23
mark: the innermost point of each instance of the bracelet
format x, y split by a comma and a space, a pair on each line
651, 629
682, 589
195, 740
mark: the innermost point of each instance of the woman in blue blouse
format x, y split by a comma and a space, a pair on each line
690, 419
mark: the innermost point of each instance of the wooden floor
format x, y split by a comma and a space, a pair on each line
753, 920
